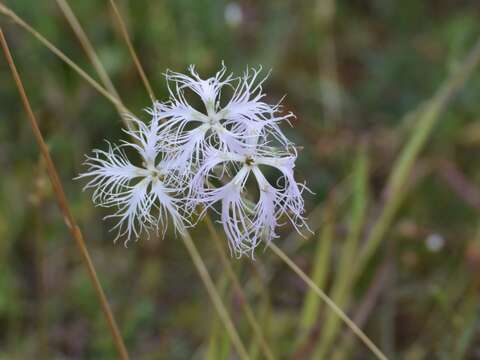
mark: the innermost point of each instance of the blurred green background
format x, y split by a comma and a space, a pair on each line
356, 74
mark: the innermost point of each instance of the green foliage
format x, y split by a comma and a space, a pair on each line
387, 110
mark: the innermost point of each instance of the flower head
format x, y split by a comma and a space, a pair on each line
244, 115
143, 195
248, 221
205, 156
234, 136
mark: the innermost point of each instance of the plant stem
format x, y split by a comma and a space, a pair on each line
64, 208
238, 289
378, 353
214, 296
132, 51
343, 280
92, 55
225, 262
87, 46
14, 17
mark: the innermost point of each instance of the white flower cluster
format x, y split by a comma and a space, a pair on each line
200, 158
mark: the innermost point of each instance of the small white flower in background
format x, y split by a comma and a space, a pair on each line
233, 14
434, 242
144, 196
234, 136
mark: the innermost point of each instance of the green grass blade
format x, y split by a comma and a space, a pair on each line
402, 168
219, 343
344, 279
321, 260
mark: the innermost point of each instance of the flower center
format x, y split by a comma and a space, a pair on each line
155, 174
249, 161
213, 118
212, 121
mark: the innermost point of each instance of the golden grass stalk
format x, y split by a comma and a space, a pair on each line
131, 50
63, 205
219, 343
319, 275
16, 19
219, 245
339, 312
94, 59
424, 118
214, 296
87, 46
344, 277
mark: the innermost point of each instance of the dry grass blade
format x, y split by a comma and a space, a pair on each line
87, 46
63, 204
214, 296
14, 17
361, 335
219, 343
363, 310
319, 274
132, 51
344, 278
238, 289
94, 59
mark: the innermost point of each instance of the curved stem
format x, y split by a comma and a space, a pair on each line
214, 296
131, 49
369, 343
238, 289
64, 208
16, 19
